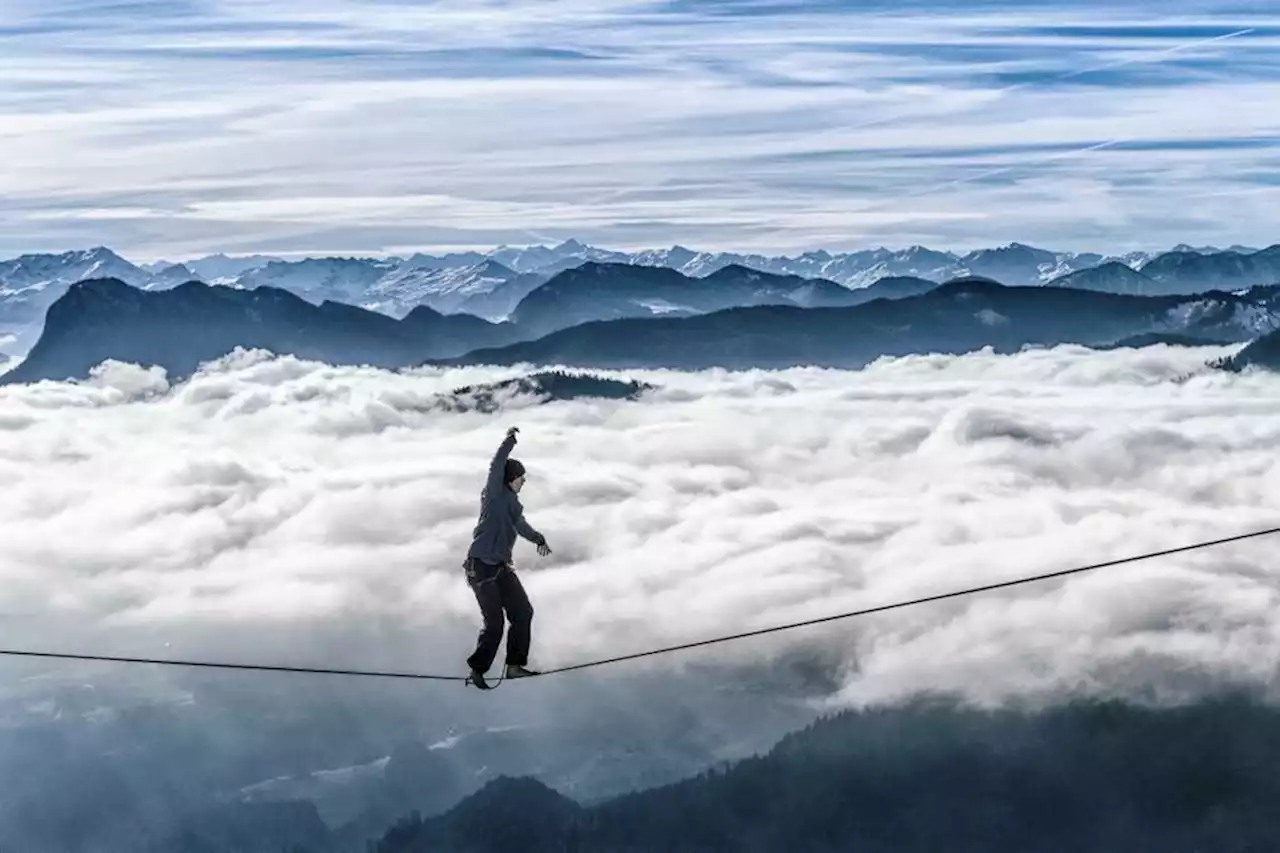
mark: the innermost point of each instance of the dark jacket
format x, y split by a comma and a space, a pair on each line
501, 515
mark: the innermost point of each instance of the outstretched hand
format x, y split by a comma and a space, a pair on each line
543, 550
511, 431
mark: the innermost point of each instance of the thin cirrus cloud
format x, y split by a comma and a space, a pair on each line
292, 127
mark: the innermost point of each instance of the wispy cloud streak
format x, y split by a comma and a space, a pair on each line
285, 126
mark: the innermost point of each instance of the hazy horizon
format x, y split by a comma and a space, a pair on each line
440, 251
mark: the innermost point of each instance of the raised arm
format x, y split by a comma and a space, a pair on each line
499, 463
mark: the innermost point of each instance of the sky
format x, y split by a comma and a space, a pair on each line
276, 511
177, 128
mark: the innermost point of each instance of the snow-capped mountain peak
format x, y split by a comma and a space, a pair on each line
491, 283
448, 290
37, 272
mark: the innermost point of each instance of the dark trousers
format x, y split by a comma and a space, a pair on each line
497, 589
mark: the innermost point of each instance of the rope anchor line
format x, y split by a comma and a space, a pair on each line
666, 649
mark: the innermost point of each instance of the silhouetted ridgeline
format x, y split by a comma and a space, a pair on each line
956, 317
596, 291
1090, 776
180, 327
492, 284
193, 323
1181, 273
1172, 339
1264, 352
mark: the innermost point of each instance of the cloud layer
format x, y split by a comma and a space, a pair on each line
283, 512
179, 128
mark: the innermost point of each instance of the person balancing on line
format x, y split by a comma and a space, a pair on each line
490, 571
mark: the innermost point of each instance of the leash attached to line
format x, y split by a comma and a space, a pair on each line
666, 649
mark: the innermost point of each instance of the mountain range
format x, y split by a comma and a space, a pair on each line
182, 327
611, 291
959, 316
492, 284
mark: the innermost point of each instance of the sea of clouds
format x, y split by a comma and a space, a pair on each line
277, 511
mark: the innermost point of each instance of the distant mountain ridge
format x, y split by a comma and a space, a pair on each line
492, 284
609, 291
194, 323
956, 317
1111, 277
485, 288
1015, 263
1174, 272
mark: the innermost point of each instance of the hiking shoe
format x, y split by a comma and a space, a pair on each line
477, 678
517, 671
